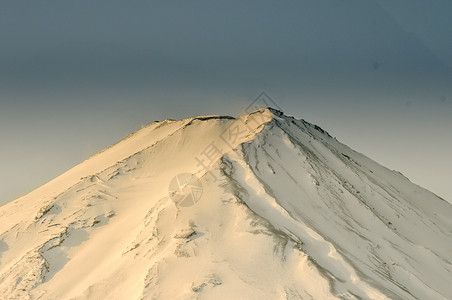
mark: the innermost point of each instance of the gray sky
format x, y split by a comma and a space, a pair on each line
76, 76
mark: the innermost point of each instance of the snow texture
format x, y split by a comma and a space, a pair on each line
287, 212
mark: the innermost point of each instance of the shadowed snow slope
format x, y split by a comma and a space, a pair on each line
286, 212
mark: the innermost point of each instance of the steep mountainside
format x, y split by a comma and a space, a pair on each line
263, 206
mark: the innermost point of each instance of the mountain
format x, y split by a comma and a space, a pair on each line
263, 206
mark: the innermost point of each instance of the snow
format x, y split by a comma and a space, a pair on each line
286, 212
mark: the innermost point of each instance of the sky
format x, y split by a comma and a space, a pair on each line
77, 76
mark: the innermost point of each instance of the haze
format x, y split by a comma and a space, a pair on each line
76, 77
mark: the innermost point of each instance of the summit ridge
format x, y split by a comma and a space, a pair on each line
278, 209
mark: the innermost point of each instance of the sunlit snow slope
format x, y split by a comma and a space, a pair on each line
286, 212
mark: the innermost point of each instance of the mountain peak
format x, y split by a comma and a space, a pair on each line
259, 206
274, 111
265, 110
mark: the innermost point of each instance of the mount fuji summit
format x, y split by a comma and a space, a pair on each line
262, 206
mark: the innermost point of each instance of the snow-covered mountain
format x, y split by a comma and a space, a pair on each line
263, 206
